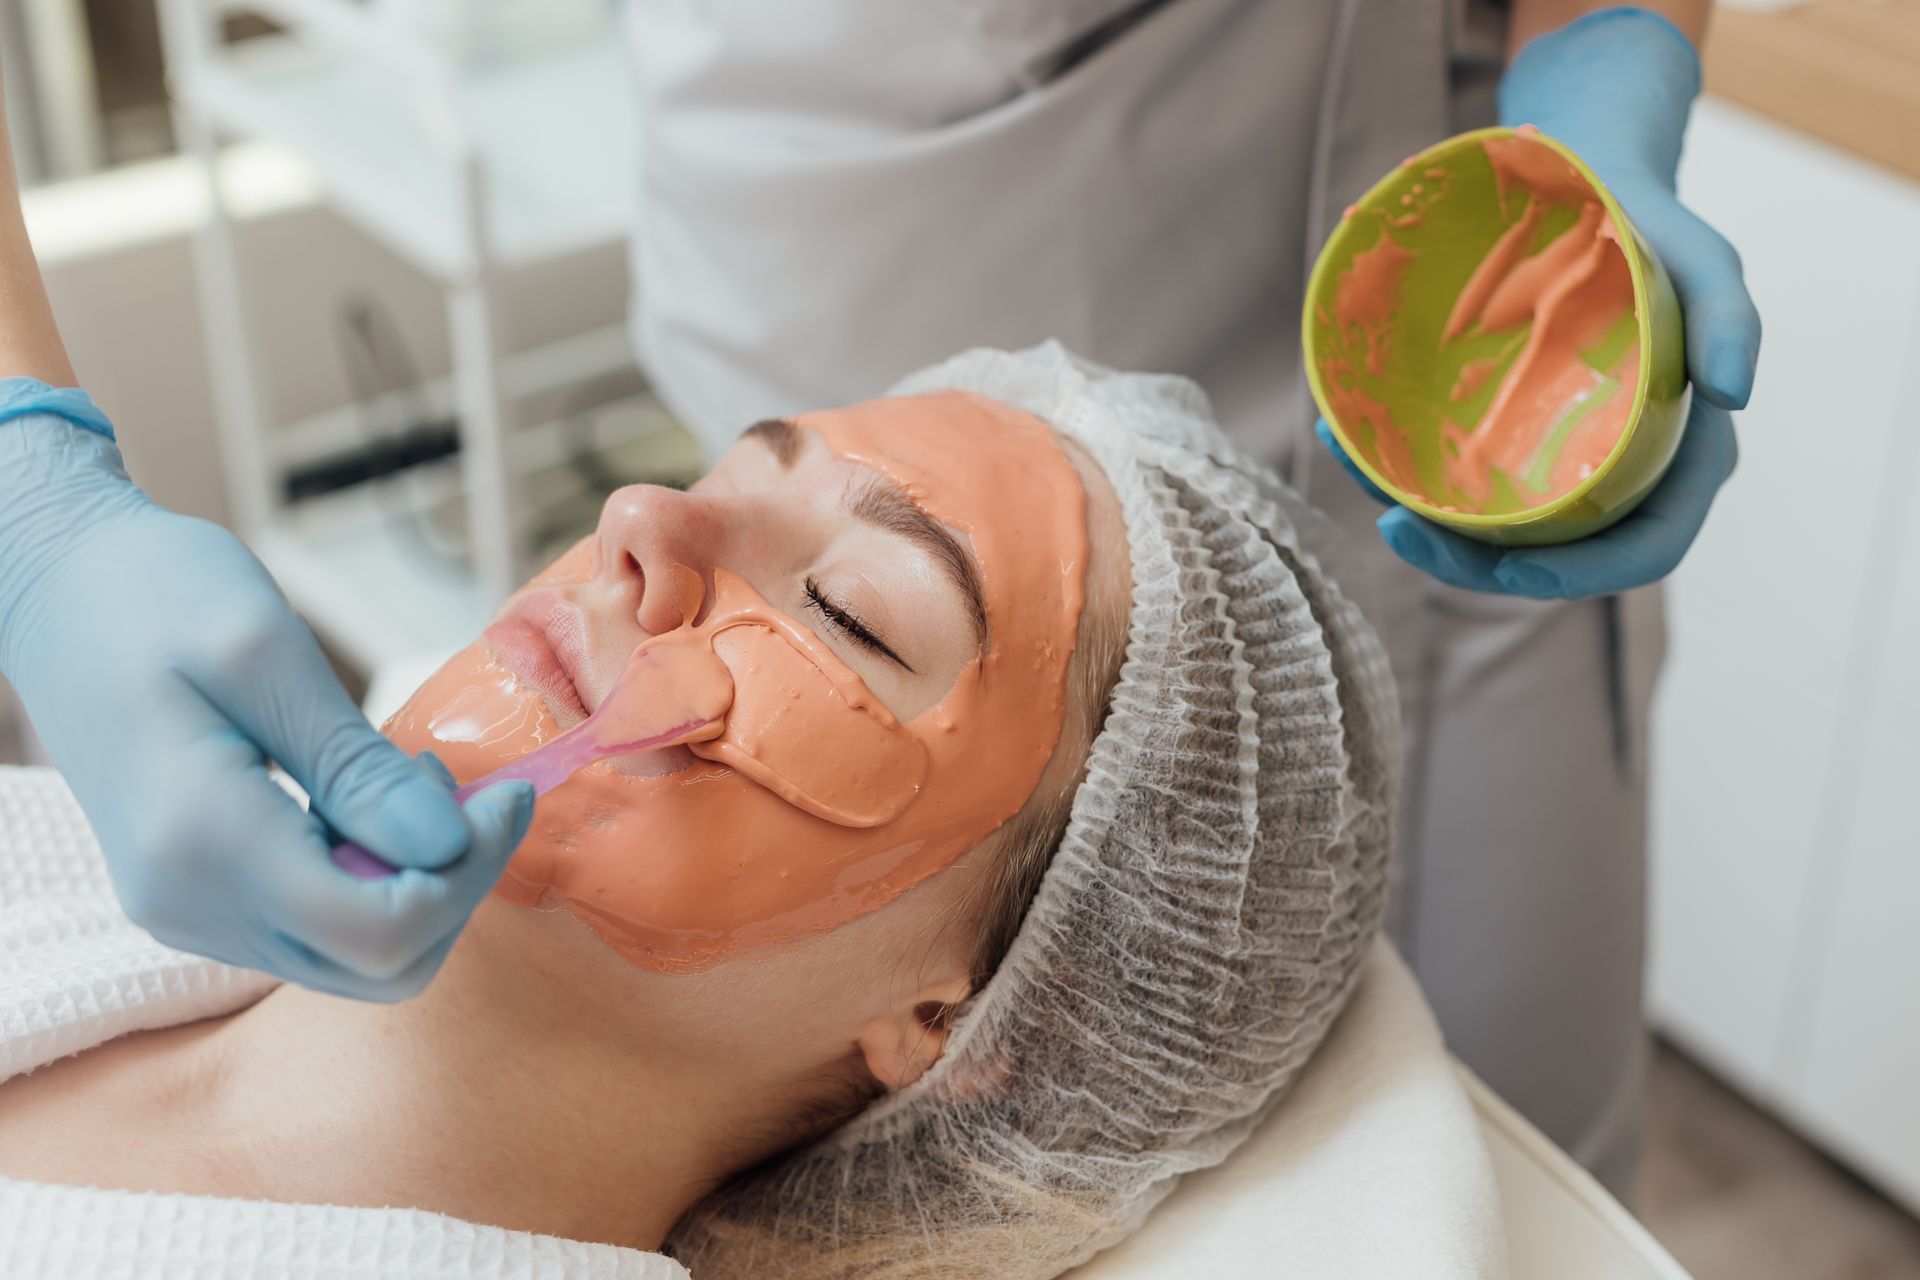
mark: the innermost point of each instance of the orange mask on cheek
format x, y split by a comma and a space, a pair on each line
815, 805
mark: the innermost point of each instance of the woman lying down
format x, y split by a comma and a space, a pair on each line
1038, 846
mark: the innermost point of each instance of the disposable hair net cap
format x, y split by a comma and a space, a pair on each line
1200, 925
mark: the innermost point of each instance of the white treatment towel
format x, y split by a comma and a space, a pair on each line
1373, 1168
75, 973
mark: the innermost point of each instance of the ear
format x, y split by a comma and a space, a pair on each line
900, 1045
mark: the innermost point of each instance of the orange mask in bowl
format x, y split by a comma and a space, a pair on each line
814, 805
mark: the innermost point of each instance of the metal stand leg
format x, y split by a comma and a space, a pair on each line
492, 523
240, 413
194, 39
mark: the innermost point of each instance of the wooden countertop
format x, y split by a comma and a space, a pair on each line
1846, 71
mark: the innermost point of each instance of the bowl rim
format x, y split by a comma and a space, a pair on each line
1636, 254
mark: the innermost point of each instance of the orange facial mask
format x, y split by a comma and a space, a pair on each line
814, 805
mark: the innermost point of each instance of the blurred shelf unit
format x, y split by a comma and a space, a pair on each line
382, 565
470, 169
52, 89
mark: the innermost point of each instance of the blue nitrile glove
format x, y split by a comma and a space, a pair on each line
162, 668
1616, 87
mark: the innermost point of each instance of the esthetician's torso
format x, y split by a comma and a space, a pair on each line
853, 189
838, 192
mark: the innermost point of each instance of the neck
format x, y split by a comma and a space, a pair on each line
494, 1097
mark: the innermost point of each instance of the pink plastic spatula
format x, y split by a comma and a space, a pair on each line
668, 695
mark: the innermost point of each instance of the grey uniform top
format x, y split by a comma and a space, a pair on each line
838, 192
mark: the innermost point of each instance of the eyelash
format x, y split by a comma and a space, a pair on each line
842, 619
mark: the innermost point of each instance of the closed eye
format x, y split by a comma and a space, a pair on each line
842, 619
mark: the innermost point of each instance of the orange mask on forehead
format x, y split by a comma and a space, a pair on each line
814, 805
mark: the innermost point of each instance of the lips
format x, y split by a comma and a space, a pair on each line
541, 641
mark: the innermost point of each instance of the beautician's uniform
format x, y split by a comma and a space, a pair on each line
840, 191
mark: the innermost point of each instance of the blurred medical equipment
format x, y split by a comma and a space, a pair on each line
605, 432
473, 140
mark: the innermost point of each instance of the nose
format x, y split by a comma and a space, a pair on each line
650, 537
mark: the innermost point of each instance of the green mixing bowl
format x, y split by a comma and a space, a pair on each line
1405, 396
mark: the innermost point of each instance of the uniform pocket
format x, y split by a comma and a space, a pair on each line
1040, 40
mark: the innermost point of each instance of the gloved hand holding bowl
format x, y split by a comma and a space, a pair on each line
1501, 333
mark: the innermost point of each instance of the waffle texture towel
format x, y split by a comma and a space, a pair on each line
75, 973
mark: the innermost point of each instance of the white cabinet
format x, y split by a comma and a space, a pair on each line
1786, 865
1855, 1066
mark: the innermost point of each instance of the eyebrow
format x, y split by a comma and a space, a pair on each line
887, 507
779, 436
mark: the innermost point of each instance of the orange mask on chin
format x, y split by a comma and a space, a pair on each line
815, 805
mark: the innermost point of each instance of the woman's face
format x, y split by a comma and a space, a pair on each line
893, 591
